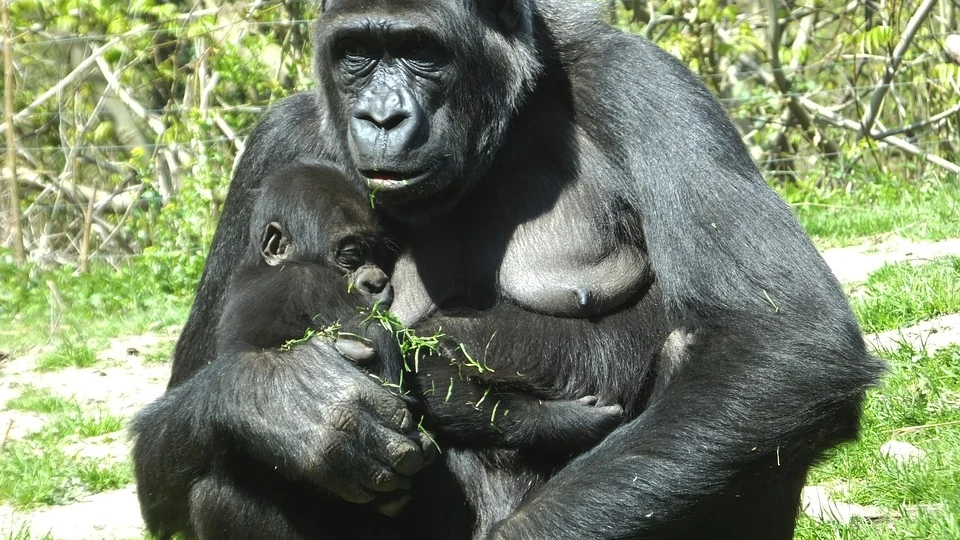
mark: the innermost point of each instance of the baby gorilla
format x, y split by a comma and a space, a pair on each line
318, 257
315, 260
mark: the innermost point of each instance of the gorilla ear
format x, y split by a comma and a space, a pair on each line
507, 12
274, 246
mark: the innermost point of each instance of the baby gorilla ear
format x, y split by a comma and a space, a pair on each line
274, 246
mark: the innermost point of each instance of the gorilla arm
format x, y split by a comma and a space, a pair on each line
306, 413
774, 367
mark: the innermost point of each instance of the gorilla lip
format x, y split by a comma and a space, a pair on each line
392, 181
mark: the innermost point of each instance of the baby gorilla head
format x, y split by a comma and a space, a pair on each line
309, 214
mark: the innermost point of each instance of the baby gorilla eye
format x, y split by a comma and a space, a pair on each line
349, 256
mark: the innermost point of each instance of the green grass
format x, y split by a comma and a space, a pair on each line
35, 470
84, 424
39, 400
919, 403
42, 304
66, 417
71, 352
97, 477
904, 294
23, 533
918, 210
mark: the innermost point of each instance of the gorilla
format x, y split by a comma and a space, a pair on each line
543, 175
317, 257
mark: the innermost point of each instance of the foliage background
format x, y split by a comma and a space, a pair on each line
128, 115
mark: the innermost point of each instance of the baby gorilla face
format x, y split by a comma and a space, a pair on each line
308, 213
361, 259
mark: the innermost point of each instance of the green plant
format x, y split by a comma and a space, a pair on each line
70, 353
903, 294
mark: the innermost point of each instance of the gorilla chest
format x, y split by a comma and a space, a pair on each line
571, 263
567, 258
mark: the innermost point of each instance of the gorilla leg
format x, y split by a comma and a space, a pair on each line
760, 509
259, 506
221, 508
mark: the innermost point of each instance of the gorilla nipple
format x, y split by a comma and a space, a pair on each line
585, 299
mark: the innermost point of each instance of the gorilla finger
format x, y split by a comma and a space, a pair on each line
429, 448
405, 457
355, 351
355, 494
612, 410
587, 400
391, 505
391, 450
390, 410
350, 491
385, 481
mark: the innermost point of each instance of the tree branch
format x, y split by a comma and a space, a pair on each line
155, 124
876, 100
836, 119
72, 76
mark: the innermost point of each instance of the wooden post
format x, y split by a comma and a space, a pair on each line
8, 89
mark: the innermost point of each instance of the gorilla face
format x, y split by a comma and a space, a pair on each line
421, 96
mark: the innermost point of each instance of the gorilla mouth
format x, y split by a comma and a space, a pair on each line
381, 181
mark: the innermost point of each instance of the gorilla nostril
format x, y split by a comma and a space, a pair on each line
384, 122
385, 296
392, 121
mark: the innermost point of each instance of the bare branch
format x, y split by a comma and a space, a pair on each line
8, 89
155, 124
876, 99
917, 125
838, 120
228, 131
77, 72
778, 79
116, 203
832, 117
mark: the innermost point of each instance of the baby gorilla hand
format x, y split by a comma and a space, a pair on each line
577, 424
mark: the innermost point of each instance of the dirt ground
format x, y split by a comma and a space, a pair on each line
122, 382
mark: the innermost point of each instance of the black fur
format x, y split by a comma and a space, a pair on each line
542, 174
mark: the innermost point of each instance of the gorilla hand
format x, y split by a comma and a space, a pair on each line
312, 416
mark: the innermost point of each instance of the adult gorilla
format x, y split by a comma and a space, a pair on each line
525, 154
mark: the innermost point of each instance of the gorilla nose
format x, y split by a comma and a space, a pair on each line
386, 111
372, 282
384, 126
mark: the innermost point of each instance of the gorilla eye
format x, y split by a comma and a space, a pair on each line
349, 256
352, 48
419, 45
422, 51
